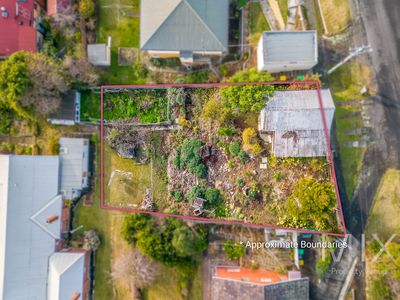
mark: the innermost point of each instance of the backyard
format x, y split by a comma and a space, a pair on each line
120, 20
257, 23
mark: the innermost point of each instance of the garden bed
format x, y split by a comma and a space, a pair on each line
212, 162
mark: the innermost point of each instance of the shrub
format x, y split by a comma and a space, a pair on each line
242, 99
54, 146
196, 191
234, 148
248, 135
240, 182
6, 120
213, 196
178, 195
253, 193
86, 8
278, 176
190, 158
234, 250
226, 131
214, 110
243, 156
177, 162
256, 148
323, 266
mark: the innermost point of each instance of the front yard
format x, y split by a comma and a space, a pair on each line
346, 83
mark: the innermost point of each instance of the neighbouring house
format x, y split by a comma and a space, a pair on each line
17, 26
234, 282
100, 54
57, 6
191, 30
292, 121
65, 280
74, 161
283, 51
31, 232
69, 111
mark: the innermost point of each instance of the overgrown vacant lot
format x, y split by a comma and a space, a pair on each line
206, 162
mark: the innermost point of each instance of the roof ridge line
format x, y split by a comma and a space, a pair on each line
179, 2
204, 23
73, 262
33, 217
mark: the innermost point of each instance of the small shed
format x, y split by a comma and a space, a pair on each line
293, 121
99, 54
284, 51
74, 159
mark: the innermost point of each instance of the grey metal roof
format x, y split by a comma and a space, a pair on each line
74, 158
66, 275
295, 119
297, 110
303, 143
290, 46
28, 191
184, 25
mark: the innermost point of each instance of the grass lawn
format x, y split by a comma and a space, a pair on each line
124, 32
166, 287
384, 217
318, 18
345, 83
257, 22
90, 106
128, 187
337, 14
283, 5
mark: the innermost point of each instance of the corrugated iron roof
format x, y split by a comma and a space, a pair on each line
184, 25
290, 46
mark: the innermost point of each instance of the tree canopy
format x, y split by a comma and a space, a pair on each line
31, 82
171, 242
312, 206
246, 98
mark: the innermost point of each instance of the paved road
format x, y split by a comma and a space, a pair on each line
381, 19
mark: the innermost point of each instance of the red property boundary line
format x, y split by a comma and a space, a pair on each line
211, 85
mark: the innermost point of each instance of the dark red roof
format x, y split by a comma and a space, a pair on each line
17, 31
55, 6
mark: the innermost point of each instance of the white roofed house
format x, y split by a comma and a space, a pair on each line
292, 121
284, 51
74, 158
30, 227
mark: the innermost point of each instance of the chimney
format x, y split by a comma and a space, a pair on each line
76, 296
51, 219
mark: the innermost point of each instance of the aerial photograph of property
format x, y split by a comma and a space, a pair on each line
199, 149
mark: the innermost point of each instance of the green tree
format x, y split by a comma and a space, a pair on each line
246, 98
234, 250
187, 243
312, 206
6, 120
31, 82
14, 79
86, 8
